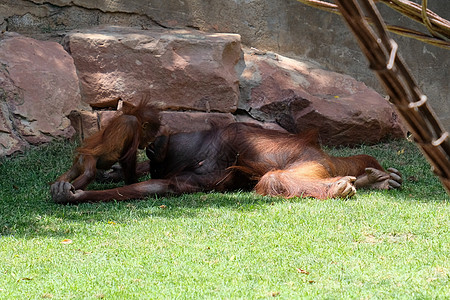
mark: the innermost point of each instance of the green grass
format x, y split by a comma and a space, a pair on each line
381, 244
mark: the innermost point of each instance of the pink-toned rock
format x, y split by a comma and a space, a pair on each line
173, 122
39, 87
181, 69
85, 122
9, 141
301, 96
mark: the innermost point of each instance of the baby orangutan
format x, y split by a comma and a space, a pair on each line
119, 141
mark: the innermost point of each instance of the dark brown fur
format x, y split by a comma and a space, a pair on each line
119, 141
242, 156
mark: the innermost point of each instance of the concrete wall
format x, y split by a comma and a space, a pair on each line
284, 26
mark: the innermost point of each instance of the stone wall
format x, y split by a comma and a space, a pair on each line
196, 78
286, 27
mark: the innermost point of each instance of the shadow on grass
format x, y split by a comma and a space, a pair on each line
26, 208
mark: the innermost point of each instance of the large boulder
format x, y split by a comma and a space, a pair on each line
180, 69
38, 88
301, 96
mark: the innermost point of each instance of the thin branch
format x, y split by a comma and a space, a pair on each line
438, 27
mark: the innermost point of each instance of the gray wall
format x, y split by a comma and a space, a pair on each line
284, 26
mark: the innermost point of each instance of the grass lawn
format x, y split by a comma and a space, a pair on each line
378, 245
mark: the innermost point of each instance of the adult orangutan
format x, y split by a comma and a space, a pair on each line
119, 141
243, 156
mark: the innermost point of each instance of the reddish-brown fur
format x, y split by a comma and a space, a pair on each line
119, 141
242, 156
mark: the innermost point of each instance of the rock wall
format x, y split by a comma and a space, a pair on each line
196, 78
38, 89
286, 27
